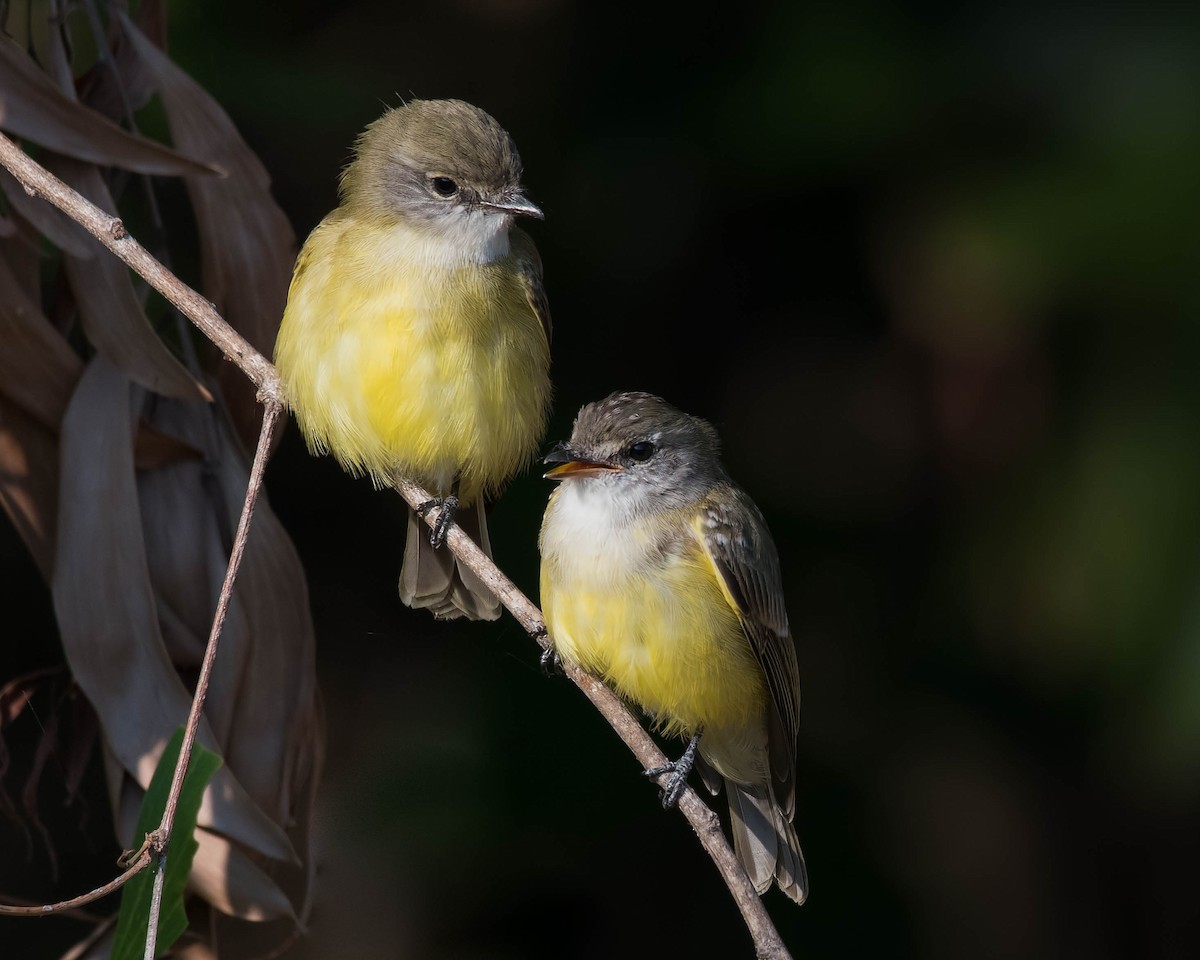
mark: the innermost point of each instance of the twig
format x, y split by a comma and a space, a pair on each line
46, 909
271, 411
111, 232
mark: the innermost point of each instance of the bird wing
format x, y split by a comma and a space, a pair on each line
529, 262
739, 546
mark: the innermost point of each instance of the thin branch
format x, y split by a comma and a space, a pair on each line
266, 437
75, 913
111, 232
46, 909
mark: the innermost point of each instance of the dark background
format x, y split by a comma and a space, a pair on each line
933, 274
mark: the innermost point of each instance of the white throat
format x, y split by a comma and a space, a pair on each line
459, 238
586, 523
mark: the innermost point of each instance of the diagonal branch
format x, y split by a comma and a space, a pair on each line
37, 181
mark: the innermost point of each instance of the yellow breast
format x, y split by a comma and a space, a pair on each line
652, 623
397, 363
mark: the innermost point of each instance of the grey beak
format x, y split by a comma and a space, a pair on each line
561, 454
518, 206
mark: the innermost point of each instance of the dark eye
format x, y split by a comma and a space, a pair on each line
641, 451
444, 186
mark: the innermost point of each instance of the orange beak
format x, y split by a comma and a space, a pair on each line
571, 464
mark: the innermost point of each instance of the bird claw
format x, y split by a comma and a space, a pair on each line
445, 519
679, 771
550, 660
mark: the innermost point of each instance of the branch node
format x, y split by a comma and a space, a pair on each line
709, 816
153, 845
270, 395
116, 229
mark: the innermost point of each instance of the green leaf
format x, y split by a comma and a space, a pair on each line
129, 942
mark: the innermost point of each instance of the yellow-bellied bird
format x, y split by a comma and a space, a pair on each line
416, 339
660, 577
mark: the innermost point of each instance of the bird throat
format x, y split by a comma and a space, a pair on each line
455, 240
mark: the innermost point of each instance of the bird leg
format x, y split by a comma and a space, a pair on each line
551, 661
441, 526
679, 770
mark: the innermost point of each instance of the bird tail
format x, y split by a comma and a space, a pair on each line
435, 580
765, 840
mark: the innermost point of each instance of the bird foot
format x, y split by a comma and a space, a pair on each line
441, 526
678, 770
551, 661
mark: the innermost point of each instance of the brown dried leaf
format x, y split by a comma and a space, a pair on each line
38, 370
186, 549
50, 222
124, 795
106, 611
23, 254
222, 873
153, 449
300, 887
275, 725
125, 798
31, 107
228, 879
112, 315
29, 482
263, 695
247, 244
151, 18
185, 648
128, 89
262, 703
194, 951
85, 730
46, 24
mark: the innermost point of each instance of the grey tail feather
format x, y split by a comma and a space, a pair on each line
764, 841
708, 774
433, 579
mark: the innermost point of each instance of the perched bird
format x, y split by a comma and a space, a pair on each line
416, 338
659, 576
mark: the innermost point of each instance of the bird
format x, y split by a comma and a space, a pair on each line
660, 577
415, 343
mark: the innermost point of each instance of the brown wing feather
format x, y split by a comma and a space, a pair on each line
741, 549
530, 262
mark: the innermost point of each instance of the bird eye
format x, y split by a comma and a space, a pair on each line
443, 186
641, 451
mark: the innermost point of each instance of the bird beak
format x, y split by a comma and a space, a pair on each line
516, 205
573, 464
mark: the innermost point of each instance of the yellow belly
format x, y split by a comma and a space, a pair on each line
433, 373
656, 629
